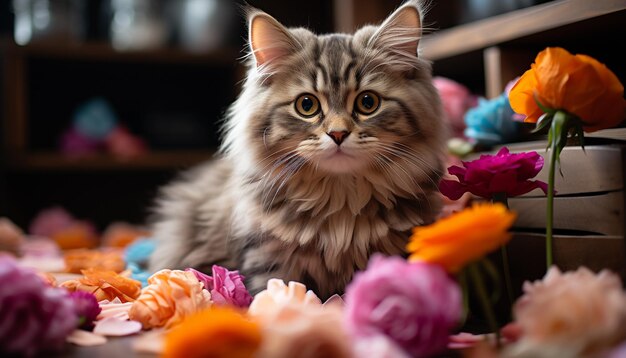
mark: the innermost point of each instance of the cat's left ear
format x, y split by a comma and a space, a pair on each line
269, 40
401, 31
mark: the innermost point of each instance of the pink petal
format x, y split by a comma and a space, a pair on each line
85, 338
150, 342
334, 300
117, 310
116, 327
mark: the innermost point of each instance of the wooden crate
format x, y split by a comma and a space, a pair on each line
589, 208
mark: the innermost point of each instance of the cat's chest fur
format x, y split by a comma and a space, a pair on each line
321, 229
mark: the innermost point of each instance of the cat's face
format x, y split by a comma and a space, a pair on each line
341, 103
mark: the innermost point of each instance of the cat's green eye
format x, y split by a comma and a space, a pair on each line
307, 105
367, 102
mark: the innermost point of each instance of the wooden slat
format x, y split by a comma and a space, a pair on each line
513, 25
152, 160
104, 52
15, 112
527, 254
503, 65
596, 169
602, 214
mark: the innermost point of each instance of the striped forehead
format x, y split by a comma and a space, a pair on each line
334, 73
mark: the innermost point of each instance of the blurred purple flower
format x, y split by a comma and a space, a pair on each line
34, 317
503, 173
75, 144
416, 304
86, 307
50, 221
226, 287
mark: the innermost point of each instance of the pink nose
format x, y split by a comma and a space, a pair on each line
338, 136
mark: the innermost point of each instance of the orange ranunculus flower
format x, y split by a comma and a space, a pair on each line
577, 84
463, 237
171, 296
105, 285
216, 332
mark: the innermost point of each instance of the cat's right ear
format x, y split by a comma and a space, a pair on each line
269, 40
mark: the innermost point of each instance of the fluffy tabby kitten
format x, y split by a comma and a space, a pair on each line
332, 152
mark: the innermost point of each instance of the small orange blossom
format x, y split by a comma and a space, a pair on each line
213, 333
463, 237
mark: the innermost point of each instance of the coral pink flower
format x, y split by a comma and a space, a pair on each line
416, 304
503, 173
300, 330
226, 287
579, 312
278, 295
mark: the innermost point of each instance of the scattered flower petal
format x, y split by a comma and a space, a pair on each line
85, 338
113, 326
105, 285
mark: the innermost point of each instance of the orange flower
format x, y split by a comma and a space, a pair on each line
170, 296
217, 332
79, 235
577, 84
462, 237
109, 260
121, 234
105, 285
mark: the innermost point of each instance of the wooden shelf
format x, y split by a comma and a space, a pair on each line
104, 52
514, 25
163, 160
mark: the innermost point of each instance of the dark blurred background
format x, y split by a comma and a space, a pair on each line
103, 101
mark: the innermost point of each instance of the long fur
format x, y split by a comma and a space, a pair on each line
275, 203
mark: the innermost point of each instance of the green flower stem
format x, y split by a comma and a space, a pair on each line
550, 211
557, 139
477, 279
502, 198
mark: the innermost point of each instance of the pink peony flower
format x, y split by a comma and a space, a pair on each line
86, 307
503, 173
579, 312
226, 287
415, 304
456, 100
34, 317
306, 331
377, 347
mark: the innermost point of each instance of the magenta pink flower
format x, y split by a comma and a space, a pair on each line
416, 304
503, 173
226, 287
34, 317
86, 307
